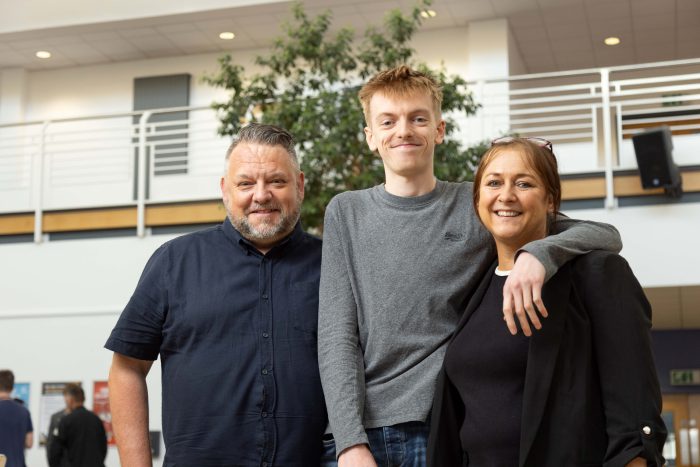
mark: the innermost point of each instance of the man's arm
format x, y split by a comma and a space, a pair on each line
29, 436
128, 400
539, 260
340, 358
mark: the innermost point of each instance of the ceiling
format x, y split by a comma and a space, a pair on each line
551, 35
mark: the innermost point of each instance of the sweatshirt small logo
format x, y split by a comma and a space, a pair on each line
454, 236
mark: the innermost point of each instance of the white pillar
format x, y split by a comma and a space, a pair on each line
13, 83
487, 56
487, 49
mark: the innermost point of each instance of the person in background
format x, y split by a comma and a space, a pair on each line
581, 391
53, 429
16, 430
80, 439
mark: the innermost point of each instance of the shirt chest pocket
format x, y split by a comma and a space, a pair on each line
303, 305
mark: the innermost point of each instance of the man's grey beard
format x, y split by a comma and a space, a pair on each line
266, 230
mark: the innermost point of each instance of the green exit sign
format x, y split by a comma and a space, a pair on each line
685, 377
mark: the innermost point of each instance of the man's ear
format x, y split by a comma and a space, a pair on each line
222, 184
300, 185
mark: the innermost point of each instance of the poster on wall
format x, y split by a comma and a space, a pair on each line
100, 405
51, 402
21, 392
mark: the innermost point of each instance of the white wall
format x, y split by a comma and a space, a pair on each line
108, 88
12, 94
516, 64
487, 47
59, 303
444, 48
660, 242
101, 89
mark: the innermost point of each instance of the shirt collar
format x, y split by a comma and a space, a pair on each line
238, 239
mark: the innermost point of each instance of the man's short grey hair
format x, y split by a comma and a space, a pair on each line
268, 135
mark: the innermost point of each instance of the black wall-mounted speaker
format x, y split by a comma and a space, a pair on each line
654, 151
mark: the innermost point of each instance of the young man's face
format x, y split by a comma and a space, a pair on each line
404, 130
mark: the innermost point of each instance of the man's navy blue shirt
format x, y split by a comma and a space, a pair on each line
15, 423
236, 334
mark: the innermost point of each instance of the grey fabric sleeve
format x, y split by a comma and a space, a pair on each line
339, 353
572, 238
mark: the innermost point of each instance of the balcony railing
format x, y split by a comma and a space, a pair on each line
175, 155
590, 115
110, 160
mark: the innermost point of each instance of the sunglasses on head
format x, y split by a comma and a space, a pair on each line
509, 139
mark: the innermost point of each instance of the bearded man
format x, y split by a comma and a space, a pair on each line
232, 312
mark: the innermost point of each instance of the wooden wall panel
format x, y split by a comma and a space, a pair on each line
582, 188
16, 224
182, 214
99, 219
624, 185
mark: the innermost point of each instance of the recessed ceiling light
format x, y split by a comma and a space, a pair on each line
227, 36
428, 13
612, 40
43, 54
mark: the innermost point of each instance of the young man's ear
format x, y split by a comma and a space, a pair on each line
369, 139
440, 132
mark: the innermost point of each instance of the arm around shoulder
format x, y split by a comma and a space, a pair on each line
572, 238
128, 398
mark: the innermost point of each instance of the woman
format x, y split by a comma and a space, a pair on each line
583, 390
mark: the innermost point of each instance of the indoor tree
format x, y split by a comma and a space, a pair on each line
309, 86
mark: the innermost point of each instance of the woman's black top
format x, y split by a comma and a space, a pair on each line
486, 364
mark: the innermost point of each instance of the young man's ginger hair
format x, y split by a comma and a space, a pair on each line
399, 82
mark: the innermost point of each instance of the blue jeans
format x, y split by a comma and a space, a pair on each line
402, 445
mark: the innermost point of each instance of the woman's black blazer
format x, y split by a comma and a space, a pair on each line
591, 395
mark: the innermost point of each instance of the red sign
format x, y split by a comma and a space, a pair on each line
100, 405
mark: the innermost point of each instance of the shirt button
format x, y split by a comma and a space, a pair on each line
646, 430
265, 334
264, 414
264, 371
264, 296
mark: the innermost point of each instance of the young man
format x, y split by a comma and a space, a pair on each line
399, 262
232, 311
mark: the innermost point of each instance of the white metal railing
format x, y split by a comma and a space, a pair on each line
175, 155
591, 114
126, 159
